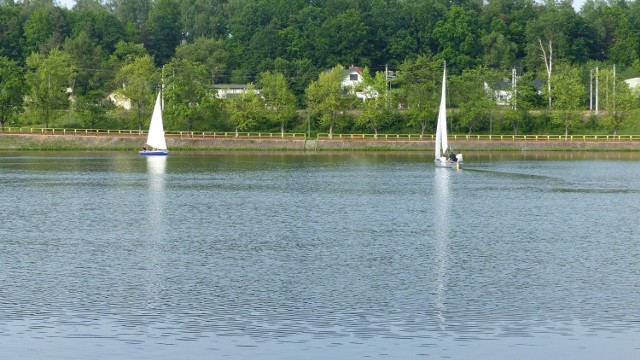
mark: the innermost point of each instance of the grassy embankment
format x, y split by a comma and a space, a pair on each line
21, 142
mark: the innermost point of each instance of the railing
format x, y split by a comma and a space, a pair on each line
394, 137
233, 134
142, 133
321, 136
431, 137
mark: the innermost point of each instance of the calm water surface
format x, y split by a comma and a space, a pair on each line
319, 256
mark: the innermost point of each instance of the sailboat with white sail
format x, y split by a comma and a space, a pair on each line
155, 138
451, 160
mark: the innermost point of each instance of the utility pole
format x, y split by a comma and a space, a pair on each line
386, 88
597, 83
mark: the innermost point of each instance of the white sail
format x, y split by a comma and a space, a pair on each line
441, 129
155, 138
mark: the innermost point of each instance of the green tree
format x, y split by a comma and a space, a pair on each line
185, 89
88, 59
473, 100
619, 100
44, 30
245, 110
11, 89
345, 39
90, 109
102, 27
162, 33
127, 52
209, 52
458, 37
326, 98
547, 41
280, 102
48, 80
568, 92
10, 30
375, 108
420, 86
139, 81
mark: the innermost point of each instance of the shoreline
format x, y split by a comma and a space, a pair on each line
30, 142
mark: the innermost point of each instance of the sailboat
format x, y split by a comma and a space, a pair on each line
442, 160
155, 139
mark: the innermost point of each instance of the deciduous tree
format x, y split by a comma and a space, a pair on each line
11, 89
49, 79
326, 98
280, 102
139, 81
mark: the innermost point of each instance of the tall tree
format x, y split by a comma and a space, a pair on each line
458, 37
162, 33
88, 59
209, 52
280, 102
49, 79
11, 89
185, 89
326, 97
568, 92
245, 110
473, 100
419, 80
139, 81
44, 30
10, 30
376, 112
619, 100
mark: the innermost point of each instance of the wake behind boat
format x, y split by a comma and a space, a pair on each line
155, 139
452, 160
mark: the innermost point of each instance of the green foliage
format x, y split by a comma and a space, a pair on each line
48, 79
326, 98
420, 81
208, 52
90, 110
238, 40
11, 89
280, 103
245, 110
375, 108
139, 81
185, 89
473, 99
567, 94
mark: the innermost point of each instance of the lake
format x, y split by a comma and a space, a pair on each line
288, 255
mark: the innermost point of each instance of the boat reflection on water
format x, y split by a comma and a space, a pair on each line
442, 234
156, 167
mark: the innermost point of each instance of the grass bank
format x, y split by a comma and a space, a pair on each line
19, 142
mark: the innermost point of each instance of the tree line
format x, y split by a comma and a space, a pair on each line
58, 65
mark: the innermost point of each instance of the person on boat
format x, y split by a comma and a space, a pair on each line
144, 148
453, 157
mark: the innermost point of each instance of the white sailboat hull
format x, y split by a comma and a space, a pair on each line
446, 163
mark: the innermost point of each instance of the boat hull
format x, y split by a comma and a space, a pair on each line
448, 164
153, 152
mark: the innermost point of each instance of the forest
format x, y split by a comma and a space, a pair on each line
563, 70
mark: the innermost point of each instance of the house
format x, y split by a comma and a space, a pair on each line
352, 81
120, 100
224, 91
501, 91
633, 83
